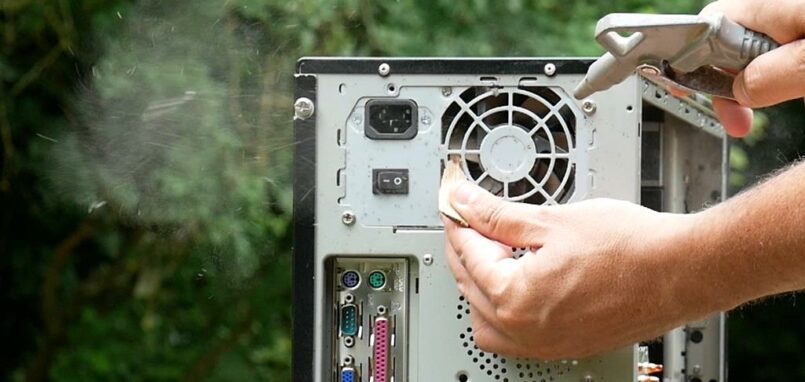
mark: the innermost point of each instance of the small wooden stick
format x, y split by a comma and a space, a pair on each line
453, 175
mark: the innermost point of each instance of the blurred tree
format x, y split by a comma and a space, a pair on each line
145, 170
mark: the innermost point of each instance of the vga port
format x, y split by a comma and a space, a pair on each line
348, 374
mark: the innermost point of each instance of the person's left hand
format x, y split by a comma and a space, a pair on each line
604, 274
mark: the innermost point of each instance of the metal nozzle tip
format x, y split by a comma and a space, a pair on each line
583, 90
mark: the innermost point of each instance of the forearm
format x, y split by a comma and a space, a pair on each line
752, 245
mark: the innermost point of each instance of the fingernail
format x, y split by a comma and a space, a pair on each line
739, 90
464, 194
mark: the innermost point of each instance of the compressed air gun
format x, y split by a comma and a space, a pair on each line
682, 52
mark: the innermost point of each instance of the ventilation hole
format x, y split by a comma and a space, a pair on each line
493, 365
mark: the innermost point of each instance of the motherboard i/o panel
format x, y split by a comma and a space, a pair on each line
374, 300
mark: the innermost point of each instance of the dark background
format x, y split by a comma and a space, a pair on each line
145, 173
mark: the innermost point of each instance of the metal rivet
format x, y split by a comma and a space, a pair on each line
447, 91
427, 259
303, 108
550, 70
384, 69
348, 218
425, 119
588, 106
650, 71
588, 378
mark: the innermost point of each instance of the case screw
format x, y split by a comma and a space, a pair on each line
588, 106
588, 378
447, 91
384, 69
550, 70
427, 259
303, 108
348, 218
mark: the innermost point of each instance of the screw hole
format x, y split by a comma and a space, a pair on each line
391, 88
462, 377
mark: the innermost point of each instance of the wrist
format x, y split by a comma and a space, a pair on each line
729, 270
690, 270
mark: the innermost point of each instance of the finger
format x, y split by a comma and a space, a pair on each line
492, 340
513, 224
478, 303
488, 264
774, 77
466, 285
736, 119
781, 20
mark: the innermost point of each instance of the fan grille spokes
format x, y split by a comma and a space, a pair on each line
518, 143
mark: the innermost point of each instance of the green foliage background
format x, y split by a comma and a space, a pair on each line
145, 173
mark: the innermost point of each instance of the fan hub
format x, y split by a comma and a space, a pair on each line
508, 153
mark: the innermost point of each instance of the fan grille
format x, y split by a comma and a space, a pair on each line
517, 143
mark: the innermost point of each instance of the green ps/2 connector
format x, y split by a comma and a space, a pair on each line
377, 279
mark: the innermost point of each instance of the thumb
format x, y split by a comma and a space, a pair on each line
512, 224
773, 77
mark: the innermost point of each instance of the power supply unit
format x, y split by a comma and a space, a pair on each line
374, 300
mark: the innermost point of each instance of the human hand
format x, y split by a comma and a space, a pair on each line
599, 278
773, 77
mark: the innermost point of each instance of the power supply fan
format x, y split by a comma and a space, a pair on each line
518, 143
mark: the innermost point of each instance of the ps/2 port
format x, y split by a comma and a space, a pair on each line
377, 279
350, 279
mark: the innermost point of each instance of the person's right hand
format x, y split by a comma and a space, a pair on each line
773, 77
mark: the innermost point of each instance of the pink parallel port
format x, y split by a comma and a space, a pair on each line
381, 350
